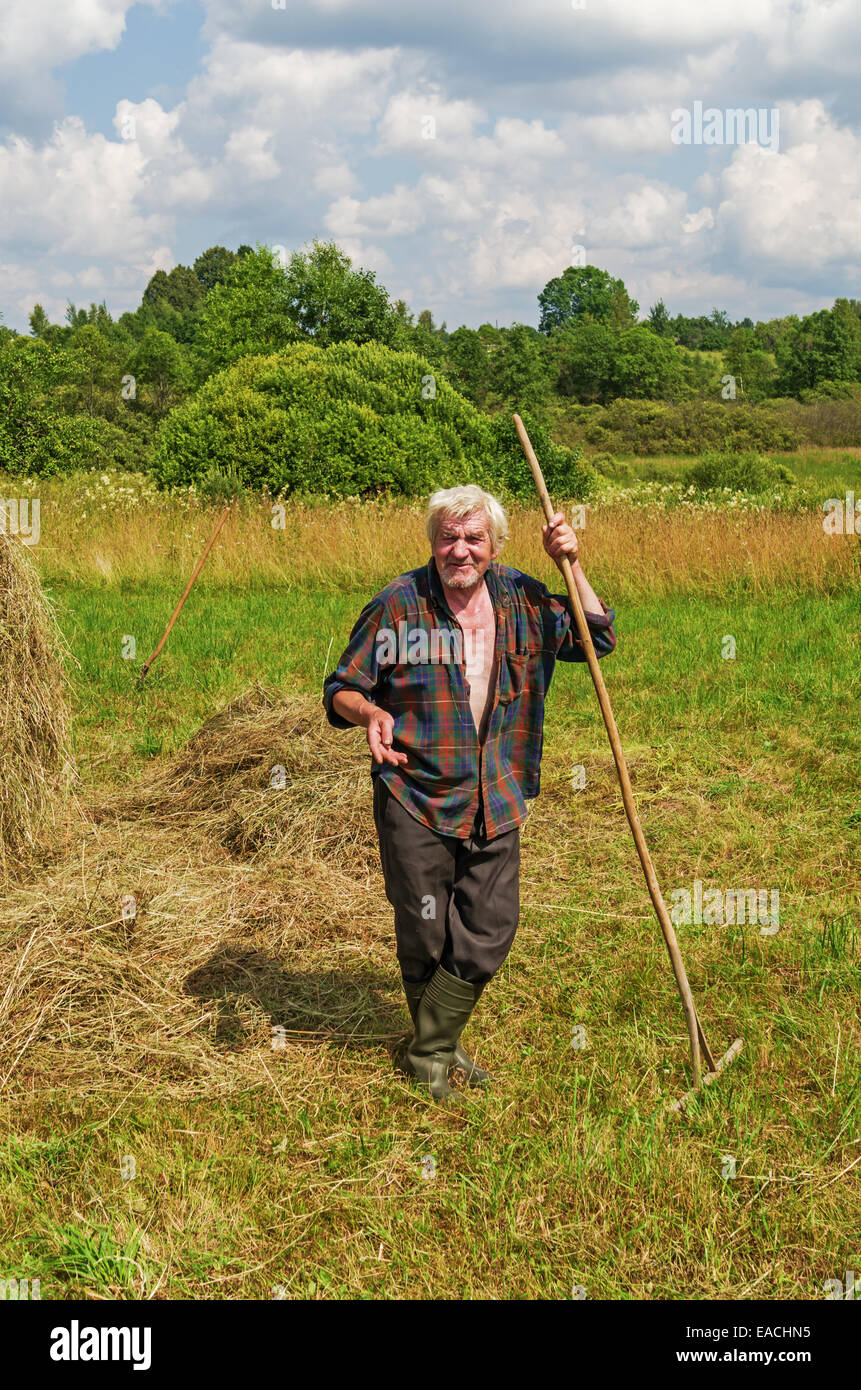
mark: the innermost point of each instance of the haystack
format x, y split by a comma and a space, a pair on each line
251, 858
35, 753
265, 776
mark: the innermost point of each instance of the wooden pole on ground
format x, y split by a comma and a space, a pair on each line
176, 612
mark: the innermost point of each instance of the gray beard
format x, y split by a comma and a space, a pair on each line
456, 579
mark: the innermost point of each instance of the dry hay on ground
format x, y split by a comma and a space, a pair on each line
257, 906
266, 775
35, 755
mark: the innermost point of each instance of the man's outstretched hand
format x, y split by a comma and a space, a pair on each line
379, 734
352, 705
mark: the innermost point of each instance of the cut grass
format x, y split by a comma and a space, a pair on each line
296, 1161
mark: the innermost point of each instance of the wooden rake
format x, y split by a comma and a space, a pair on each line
699, 1047
176, 612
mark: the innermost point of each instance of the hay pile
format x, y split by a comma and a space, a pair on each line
265, 776
255, 906
35, 755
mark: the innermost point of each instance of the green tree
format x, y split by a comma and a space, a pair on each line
91, 373
583, 356
180, 288
825, 346
659, 320
262, 306
39, 321
248, 313
623, 311
769, 334
706, 333
466, 364
428, 340
349, 420
28, 385
519, 369
35, 436
97, 316
490, 335
582, 291
212, 265
752, 367
646, 367
160, 364
160, 314
331, 303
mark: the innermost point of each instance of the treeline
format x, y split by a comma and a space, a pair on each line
96, 390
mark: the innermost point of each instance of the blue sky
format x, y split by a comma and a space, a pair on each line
460, 149
158, 52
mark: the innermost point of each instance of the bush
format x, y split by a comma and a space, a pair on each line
610, 467
742, 472
350, 421
687, 427
830, 391
37, 436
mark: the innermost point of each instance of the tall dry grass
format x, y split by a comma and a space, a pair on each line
628, 551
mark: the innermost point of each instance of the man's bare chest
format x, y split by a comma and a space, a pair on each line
479, 630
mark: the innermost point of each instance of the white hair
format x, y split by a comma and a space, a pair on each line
464, 501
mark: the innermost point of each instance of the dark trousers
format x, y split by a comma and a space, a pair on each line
456, 902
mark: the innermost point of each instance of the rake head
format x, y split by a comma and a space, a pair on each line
726, 1060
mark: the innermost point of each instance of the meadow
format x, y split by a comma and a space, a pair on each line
198, 1100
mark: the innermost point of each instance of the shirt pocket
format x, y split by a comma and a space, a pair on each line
514, 672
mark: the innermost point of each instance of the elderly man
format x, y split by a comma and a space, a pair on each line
447, 669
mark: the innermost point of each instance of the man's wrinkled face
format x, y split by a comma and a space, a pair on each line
463, 550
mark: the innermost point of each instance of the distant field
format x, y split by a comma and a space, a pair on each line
822, 468
302, 1169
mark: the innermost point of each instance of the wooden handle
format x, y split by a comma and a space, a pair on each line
176, 612
695, 1032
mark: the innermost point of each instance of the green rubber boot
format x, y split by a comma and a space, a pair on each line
475, 1075
440, 1017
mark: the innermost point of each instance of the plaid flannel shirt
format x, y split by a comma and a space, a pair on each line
450, 774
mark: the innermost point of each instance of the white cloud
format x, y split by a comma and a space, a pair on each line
289, 91
551, 126
77, 195
149, 128
700, 221
425, 125
37, 36
42, 34
250, 148
336, 179
544, 26
800, 207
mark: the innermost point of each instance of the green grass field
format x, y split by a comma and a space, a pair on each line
312, 1170
831, 471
